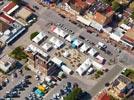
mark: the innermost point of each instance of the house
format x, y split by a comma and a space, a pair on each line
10, 7
7, 63
103, 96
37, 60
3, 27
83, 20
103, 19
128, 38
122, 87
14, 29
77, 4
26, 14
90, 2
117, 34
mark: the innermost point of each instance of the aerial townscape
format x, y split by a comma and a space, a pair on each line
66, 49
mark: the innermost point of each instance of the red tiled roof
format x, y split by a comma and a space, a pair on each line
6, 18
90, 1
103, 96
9, 6
129, 35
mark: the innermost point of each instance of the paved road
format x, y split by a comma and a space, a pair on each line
62, 83
108, 77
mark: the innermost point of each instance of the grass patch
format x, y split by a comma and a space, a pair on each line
98, 73
34, 34
129, 73
18, 53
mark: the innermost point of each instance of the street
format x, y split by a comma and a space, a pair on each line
108, 77
46, 16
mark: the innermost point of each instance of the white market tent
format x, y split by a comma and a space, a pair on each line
77, 42
53, 39
66, 69
100, 59
39, 37
60, 32
84, 47
66, 54
70, 38
83, 20
84, 67
57, 61
34, 49
47, 46
97, 65
92, 52
56, 42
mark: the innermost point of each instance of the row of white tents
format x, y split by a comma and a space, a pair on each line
81, 69
86, 65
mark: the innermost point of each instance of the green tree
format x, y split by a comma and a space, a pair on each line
18, 53
108, 1
74, 94
115, 5
131, 6
34, 34
16, 1
132, 15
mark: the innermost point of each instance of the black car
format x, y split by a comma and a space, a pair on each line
36, 7
0, 87
28, 76
3, 84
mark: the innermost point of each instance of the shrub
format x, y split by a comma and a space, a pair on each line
33, 35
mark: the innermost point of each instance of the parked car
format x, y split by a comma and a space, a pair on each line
36, 7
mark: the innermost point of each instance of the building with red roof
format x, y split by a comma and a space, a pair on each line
10, 7
128, 38
103, 96
90, 2
6, 18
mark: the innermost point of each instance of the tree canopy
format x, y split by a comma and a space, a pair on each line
74, 94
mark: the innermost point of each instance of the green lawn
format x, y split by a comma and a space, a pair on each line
129, 73
18, 53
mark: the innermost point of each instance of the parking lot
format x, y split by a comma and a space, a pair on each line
21, 92
43, 24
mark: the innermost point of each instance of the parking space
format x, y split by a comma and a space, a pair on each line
19, 85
